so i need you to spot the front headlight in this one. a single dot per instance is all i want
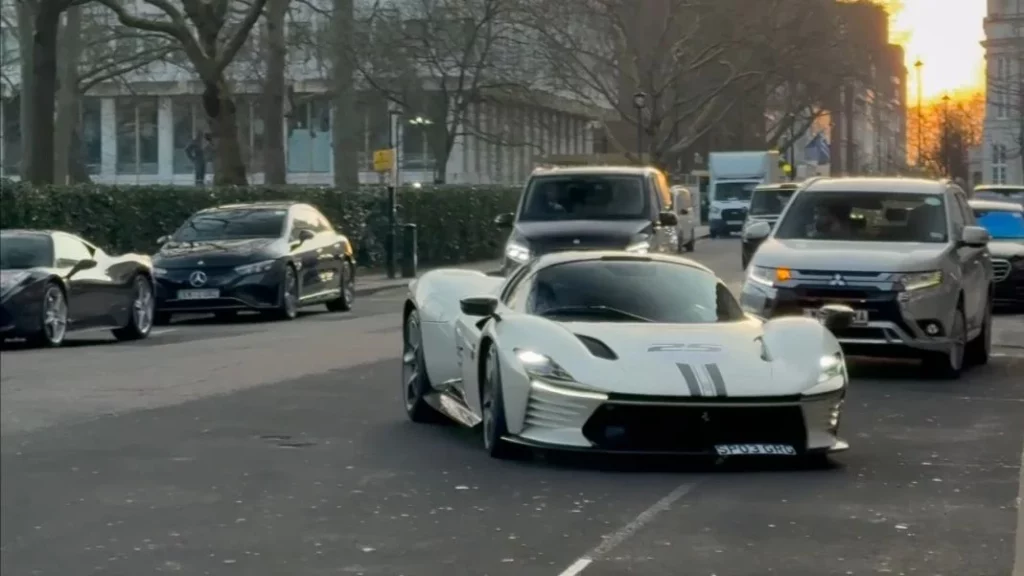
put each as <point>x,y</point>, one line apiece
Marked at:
<point>159,272</point>
<point>641,247</point>
<point>540,366</point>
<point>832,375</point>
<point>921,280</point>
<point>517,252</point>
<point>1019,264</point>
<point>11,280</point>
<point>715,210</point>
<point>255,268</point>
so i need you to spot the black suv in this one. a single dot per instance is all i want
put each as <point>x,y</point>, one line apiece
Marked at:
<point>590,208</point>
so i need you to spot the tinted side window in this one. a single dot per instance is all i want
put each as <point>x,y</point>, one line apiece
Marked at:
<point>514,286</point>
<point>957,211</point>
<point>302,219</point>
<point>965,208</point>
<point>69,250</point>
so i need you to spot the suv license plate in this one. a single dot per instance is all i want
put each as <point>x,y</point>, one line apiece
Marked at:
<point>860,317</point>
<point>755,450</point>
<point>198,294</point>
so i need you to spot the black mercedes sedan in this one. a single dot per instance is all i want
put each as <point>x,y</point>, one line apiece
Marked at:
<point>1005,223</point>
<point>52,283</point>
<point>272,257</point>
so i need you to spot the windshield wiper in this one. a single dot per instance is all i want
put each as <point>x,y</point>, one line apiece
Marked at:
<point>594,311</point>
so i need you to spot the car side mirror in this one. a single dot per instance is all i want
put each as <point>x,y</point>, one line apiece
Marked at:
<point>668,218</point>
<point>504,220</point>
<point>163,240</point>
<point>975,237</point>
<point>836,317</point>
<point>478,306</point>
<point>306,235</point>
<point>87,264</point>
<point>757,231</point>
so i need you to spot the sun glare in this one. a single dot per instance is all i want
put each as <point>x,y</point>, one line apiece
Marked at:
<point>946,36</point>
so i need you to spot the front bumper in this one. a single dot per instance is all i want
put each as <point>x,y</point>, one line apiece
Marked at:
<point>233,291</point>
<point>630,424</point>
<point>1009,285</point>
<point>899,323</point>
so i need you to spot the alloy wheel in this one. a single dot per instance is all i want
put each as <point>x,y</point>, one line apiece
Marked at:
<point>55,315</point>
<point>411,361</point>
<point>290,292</point>
<point>958,337</point>
<point>143,306</point>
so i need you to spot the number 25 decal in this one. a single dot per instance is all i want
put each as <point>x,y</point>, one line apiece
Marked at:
<point>684,348</point>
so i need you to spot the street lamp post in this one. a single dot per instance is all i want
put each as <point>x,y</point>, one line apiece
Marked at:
<point>640,102</point>
<point>920,116</point>
<point>392,242</point>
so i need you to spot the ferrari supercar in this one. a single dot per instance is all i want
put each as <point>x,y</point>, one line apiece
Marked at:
<point>620,352</point>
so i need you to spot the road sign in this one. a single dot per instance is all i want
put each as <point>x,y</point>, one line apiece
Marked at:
<point>383,160</point>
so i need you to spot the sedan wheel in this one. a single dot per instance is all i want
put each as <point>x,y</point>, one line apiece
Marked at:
<point>288,308</point>
<point>140,321</point>
<point>55,318</point>
<point>347,285</point>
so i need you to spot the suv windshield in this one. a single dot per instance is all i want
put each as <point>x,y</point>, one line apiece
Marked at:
<point>771,201</point>
<point>586,197</point>
<point>631,291</point>
<point>232,224</point>
<point>865,217</point>
<point>999,194</point>
<point>24,251</point>
<point>734,191</point>
<point>1002,224</point>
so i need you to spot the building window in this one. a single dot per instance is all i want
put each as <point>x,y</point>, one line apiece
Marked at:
<point>309,135</point>
<point>90,134</point>
<point>137,135</point>
<point>999,164</point>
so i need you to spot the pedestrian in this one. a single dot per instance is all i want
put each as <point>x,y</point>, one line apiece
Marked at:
<point>196,152</point>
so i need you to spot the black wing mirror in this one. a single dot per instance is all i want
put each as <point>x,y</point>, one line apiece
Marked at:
<point>306,235</point>
<point>668,218</point>
<point>836,317</point>
<point>479,306</point>
<point>87,264</point>
<point>504,220</point>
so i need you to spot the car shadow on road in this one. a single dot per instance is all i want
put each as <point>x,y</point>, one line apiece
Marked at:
<point>239,318</point>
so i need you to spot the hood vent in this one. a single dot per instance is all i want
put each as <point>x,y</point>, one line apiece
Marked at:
<point>597,348</point>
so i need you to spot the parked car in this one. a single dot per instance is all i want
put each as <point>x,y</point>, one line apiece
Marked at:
<point>272,257</point>
<point>590,208</point>
<point>53,283</point>
<point>908,255</point>
<point>999,193</point>
<point>1005,222</point>
<point>766,205</point>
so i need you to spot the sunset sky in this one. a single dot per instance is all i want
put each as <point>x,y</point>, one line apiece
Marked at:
<point>945,35</point>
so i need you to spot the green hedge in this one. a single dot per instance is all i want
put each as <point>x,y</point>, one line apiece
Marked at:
<point>454,222</point>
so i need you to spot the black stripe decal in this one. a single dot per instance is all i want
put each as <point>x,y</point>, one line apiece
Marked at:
<point>691,379</point>
<point>716,378</point>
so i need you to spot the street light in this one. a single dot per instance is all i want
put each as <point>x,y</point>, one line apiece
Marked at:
<point>920,129</point>
<point>640,102</point>
<point>390,247</point>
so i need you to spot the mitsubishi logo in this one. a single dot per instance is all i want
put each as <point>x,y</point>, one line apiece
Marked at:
<point>576,241</point>
<point>197,278</point>
<point>837,280</point>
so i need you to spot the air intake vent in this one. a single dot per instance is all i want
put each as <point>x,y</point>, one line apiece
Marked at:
<point>597,348</point>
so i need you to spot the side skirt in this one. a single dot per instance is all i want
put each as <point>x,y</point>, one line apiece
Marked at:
<point>449,400</point>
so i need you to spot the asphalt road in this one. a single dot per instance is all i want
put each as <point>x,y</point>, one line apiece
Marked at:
<point>281,449</point>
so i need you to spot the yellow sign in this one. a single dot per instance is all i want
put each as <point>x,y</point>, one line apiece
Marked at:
<point>787,168</point>
<point>383,160</point>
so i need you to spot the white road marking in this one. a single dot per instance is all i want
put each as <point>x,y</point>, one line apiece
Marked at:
<point>616,538</point>
<point>164,331</point>
<point>1018,563</point>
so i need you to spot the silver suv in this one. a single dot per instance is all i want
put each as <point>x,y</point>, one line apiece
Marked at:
<point>907,255</point>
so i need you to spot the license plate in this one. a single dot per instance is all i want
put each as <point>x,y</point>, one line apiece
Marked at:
<point>198,294</point>
<point>734,221</point>
<point>860,317</point>
<point>755,450</point>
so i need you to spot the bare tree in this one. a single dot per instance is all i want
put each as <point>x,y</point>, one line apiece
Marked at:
<point>272,102</point>
<point>440,58</point>
<point>210,36</point>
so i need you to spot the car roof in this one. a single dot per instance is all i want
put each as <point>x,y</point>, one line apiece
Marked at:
<point>996,205</point>
<point>566,257</point>
<point>998,188</point>
<point>269,205</point>
<point>868,184</point>
<point>778,186</point>
<point>587,170</point>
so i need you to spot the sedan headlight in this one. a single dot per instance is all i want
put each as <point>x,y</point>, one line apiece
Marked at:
<point>517,252</point>
<point>255,268</point>
<point>159,272</point>
<point>832,375</point>
<point>641,247</point>
<point>13,279</point>
<point>921,280</point>
<point>542,367</point>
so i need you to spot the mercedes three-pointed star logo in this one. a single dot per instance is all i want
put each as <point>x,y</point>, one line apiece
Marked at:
<point>197,278</point>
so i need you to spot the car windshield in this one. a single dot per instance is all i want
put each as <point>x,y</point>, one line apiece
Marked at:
<point>21,252</point>
<point>232,224</point>
<point>631,291</point>
<point>1002,224</point>
<point>734,191</point>
<point>1000,194</point>
<point>768,202</point>
<point>586,197</point>
<point>865,217</point>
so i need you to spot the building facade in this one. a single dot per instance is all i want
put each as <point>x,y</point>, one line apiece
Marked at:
<point>1002,154</point>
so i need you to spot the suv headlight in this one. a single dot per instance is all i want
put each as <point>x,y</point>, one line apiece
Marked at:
<point>542,367</point>
<point>921,280</point>
<point>768,276</point>
<point>255,268</point>
<point>641,247</point>
<point>517,252</point>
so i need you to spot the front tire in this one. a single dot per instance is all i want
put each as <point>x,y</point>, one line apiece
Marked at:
<point>492,411</point>
<point>288,299</point>
<point>692,244</point>
<point>347,283</point>
<point>979,349</point>
<point>949,365</point>
<point>54,321</point>
<point>415,382</point>
<point>140,319</point>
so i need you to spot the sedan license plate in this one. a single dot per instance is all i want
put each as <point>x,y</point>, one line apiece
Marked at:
<point>860,317</point>
<point>755,450</point>
<point>198,294</point>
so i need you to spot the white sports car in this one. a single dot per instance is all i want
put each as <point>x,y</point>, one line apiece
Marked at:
<point>620,352</point>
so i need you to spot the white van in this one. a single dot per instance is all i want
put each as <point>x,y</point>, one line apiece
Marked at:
<point>683,203</point>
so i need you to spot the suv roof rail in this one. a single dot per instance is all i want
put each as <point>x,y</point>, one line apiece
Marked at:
<point>812,180</point>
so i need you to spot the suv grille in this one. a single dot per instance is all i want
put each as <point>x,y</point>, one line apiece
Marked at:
<point>734,214</point>
<point>1000,269</point>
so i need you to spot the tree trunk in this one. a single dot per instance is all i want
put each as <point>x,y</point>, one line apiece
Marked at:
<point>347,122</point>
<point>39,163</point>
<point>272,105</point>
<point>77,172</point>
<point>67,95</point>
<point>222,117</point>
<point>26,23</point>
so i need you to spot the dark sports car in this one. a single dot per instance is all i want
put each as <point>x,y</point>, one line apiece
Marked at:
<point>1005,223</point>
<point>272,257</point>
<point>52,283</point>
